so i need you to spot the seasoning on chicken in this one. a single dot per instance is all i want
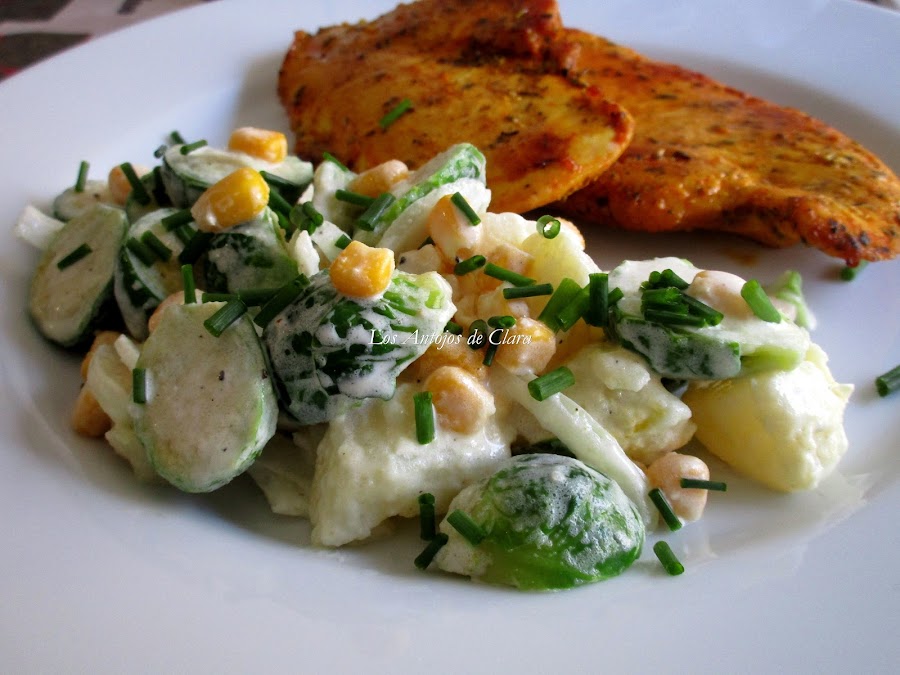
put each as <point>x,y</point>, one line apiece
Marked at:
<point>433,73</point>
<point>707,156</point>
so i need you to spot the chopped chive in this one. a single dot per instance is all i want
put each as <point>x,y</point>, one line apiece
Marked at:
<point>668,559</point>
<point>665,509</point>
<point>394,114</point>
<point>478,331</point>
<point>82,176</point>
<point>490,352</point>
<point>564,294</point>
<point>699,484</point>
<point>504,274</point>
<point>615,295</point>
<point>568,316</point>
<point>313,214</point>
<point>889,382</point>
<point>184,234</point>
<point>397,302</point>
<point>74,257</point>
<point>504,321</point>
<point>469,265</point>
<point>470,530</point>
<point>284,297</point>
<point>670,278</point>
<point>548,227</point>
<point>423,560</point>
<point>223,318</point>
<point>673,318</point>
<point>328,157</point>
<point>187,282</point>
<point>665,279</point>
<point>188,148</point>
<point>369,219</point>
<point>177,219</point>
<point>342,242</point>
<point>427,525</point>
<point>543,387</point>
<point>279,182</point>
<point>665,297</point>
<point>158,189</point>
<point>759,302</point>
<point>353,198</point>
<point>177,138</point>
<point>384,311</point>
<point>460,202</point>
<point>195,247</point>
<point>160,151</point>
<point>535,290</point>
<point>597,313</point>
<point>424,415</point>
<point>139,385</point>
<point>155,244</point>
<point>141,251</point>
<point>453,328</point>
<point>297,220</point>
<point>218,297</point>
<point>256,297</point>
<point>138,191</point>
<point>278,203</point>
<point>712,317</point>
<point>850,272</point>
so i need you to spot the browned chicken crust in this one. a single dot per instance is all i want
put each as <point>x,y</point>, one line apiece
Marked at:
<point>474,72</point>
<point>707,156</point>
<point>552,109</point>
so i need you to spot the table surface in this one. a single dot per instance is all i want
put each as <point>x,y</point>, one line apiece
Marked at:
<point>32,30</point>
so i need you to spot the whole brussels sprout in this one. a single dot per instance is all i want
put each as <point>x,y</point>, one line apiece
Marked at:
<point>549,522</point>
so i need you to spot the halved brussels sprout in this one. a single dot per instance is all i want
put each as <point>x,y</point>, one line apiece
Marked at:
<point>549,522</point>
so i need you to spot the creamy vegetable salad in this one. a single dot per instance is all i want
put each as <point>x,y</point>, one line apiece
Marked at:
<point>380,345</point>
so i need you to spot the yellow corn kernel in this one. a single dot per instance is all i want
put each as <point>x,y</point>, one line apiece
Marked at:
<point>379,179</point>
<point>451,231</point>
<point>119,187</point>
<point>527,347</point>
<point>361,271</point>
<point>461,403</point>
<point>264,144</point>
<point>238,197</point>
<point>88,418</point>
<point>451,352</point>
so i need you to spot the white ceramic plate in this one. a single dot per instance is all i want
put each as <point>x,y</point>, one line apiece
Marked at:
<point>101,574</point>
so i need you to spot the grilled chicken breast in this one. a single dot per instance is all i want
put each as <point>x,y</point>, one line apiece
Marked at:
<point>707,156</point>
<point>553,109</point>
<point>472,71</point>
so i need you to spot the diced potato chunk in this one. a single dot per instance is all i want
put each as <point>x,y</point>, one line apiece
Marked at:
<point>781,428</point>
